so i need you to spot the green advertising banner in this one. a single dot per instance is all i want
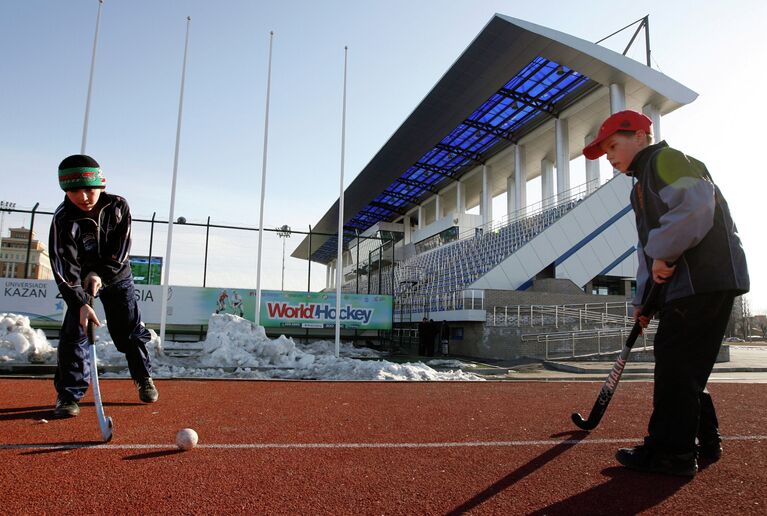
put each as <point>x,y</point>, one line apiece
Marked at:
<point>142,273</point>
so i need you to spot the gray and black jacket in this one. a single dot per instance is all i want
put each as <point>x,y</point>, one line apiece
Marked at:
<point>682,217</point>
<point>82,243</point>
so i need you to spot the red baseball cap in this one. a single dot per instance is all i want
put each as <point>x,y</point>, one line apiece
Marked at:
<point>621,121</point>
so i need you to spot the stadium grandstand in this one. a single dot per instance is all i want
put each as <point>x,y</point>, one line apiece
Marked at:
<point>517,105</point>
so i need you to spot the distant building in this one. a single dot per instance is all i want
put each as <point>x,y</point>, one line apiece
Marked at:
<point>13,256</point>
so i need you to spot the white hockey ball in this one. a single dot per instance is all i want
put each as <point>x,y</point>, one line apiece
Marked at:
<point>186,439</point>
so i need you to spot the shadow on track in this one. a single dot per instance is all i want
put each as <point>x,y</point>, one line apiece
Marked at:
<point>154,454</point>
<point>41,412</point>
<point>56,447</point>
<point>627,492</point>
<point>573,438</point>
<point>46,411</point>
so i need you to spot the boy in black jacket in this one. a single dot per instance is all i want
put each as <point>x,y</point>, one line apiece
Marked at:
<point>688,242</point>
<point>89,243</point>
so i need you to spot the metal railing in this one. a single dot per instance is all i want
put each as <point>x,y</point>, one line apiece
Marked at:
<point>592,342</point>
<point>553,315</point>
<point>615,320</point>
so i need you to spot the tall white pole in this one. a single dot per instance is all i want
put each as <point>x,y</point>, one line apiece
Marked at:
<point>339,259</point>
<point>90,80</point>
<point>166,274</point>
<point>263,184</point>
<point>282,285</point>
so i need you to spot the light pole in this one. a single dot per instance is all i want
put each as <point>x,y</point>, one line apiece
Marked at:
<point>284,233</point>
<point>5,206</point>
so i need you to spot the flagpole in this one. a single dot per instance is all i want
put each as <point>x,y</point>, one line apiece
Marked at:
<point>263,184</point>
<point>90,80</point>
<point>339,259</point>
<point>166,275</point>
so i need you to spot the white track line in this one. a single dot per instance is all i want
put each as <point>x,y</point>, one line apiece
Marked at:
<point>273,446</point>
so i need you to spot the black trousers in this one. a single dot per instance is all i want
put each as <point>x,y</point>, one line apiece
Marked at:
<point>690,332</point>
<point>73,371</point>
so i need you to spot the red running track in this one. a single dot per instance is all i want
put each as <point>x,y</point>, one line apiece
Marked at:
<point>280,447</point>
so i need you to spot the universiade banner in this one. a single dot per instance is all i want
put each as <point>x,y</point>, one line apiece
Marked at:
<point>40,301</point>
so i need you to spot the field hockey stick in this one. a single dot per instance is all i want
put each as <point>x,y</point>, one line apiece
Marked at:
<point>608,389</point>
<point>105,423</point>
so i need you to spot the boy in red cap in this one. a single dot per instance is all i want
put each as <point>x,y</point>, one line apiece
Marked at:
<point>89,245</point>
<point>689,244</point>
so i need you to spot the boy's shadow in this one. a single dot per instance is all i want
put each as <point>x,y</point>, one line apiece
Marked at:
<point>41,449</point>
<point>574,437</point>
<point>627,492</point>
<point>41,412</point>
<point>46,411</point>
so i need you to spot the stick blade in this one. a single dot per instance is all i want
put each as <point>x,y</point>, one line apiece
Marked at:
<point>581,423</point>
<point>106,430</point>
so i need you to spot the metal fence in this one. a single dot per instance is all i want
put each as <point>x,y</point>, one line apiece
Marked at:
<point>204,253</point>
<point>615,313</point>
<point>587,343</point>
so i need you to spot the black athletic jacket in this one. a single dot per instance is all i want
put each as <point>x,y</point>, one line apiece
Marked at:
<point>682,217</point>
<point>80,245</point>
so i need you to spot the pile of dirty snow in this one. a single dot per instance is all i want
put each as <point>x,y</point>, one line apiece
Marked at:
<point>234,348</point>
<point>20,343</point>
<point>233,342</point>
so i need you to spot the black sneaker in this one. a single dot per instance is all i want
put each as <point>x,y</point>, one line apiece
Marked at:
<point>147,392</point>
<point>710,451</point>
<point>66,408</point>
<point>645,459</point>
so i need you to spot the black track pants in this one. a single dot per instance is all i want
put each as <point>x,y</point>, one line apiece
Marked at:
<point>123,317</point>
<point>689,336</point>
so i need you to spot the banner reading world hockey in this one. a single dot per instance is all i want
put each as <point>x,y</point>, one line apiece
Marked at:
<point>318,310</point>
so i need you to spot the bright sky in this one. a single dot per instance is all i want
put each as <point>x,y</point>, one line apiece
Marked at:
<point>398,50</point>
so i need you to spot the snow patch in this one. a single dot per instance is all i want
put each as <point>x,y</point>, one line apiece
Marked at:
<point>19,342</point>
<point>235,348</point>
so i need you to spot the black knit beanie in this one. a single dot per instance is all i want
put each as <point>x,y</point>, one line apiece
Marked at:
<point>80,171</point>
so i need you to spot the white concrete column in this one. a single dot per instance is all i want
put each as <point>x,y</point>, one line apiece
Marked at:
<point>327,275</point>
<point>562,146</point>
<point>437,207</point>
<point>510,198</point>
<point>420,216</point>
<point>617,98</point>
<point>486,197</point>
<point>653,113</point>
<point>547,182</point>
<point>520,178</point>
<point>335,271</point>
<point>617,103</point>
<point>408,233</point>
<point>460,199</point>
<point>592,169</point>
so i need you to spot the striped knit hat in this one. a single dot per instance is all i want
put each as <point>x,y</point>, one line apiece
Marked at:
<point>80,171</point>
